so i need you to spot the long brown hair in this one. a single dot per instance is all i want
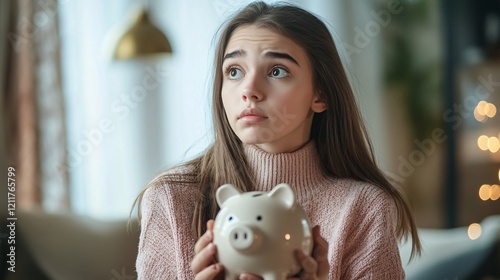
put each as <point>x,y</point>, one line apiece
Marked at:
<point>338,132</point>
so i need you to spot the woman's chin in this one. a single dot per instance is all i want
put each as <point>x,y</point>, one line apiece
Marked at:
<point>250,140</point>
<point>254,137</point>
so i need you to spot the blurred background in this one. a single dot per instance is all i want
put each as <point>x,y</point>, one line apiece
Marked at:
<point>97,97</point>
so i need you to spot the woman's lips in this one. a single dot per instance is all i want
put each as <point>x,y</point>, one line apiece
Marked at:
<point>252,115</point>
<point>252,119</point>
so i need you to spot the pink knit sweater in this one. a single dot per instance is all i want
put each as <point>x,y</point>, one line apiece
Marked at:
<point>356,218</point>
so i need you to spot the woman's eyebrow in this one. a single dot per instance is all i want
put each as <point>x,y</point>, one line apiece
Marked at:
<point>237,53</point>
<point>281,56</point>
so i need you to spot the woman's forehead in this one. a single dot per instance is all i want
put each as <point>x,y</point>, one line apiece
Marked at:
<point>250,38</point>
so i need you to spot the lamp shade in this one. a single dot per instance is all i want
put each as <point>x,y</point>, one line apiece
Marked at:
<point>141,39</point>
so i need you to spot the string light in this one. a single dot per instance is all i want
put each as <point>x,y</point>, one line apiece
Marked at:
<point>488,143</point>
<point>482,142</point>
<point>490,110</point>
<point>493,144</point>
<point>484,110</point>
<point>495,192</point>
<point>489,192</point>
<point>485,192</point>
<point>478,116</point>
<point>480,107</point>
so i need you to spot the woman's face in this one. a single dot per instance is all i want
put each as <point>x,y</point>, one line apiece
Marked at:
<point>267,90</point>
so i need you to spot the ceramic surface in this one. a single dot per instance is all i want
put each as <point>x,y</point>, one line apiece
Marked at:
<point>258,232</point>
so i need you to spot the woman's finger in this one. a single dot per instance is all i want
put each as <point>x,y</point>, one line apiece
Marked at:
<point>248,276</point>
<point>210,224</point>
<point>209,272</point>
<point>309,265</point>
<point>321,254</point>
<point>206,238</point>
<point>204,258</point>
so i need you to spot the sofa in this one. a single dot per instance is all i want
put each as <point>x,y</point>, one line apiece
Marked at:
<point>451,254</point>
<point>64,246</point>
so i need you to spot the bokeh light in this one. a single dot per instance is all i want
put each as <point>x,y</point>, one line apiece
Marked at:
<point>484,110</point>
<point>478,116</point>
<point>474,231</point>
<point>480,107</point>
<point>490,110</point>
<point>495,192</point>
<point>493,144</point>
<point>482,142</point>
<point>485,192</point>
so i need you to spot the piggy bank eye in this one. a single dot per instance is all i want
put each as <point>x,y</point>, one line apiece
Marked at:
<point>259,218</point>
<point>230,218</point>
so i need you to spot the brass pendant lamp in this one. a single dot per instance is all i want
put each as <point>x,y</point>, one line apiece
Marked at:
<point>141,39</point>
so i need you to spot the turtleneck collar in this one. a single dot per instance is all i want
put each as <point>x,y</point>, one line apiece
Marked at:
<point>301,168</point>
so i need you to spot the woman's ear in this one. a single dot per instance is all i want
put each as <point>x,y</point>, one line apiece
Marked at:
<point>318,106</point>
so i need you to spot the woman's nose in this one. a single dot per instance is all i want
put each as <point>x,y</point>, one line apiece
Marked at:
<point>252,91</point>
<point>250,95</point>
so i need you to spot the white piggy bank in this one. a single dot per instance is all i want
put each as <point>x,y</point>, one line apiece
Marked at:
<point>258,232</point>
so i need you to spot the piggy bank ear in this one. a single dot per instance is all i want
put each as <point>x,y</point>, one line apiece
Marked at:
<point>225,192</point>
<point>284,193</point>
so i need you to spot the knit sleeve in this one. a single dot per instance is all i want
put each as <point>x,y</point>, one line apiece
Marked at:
<point>156,255</point>
<point>372,246</point>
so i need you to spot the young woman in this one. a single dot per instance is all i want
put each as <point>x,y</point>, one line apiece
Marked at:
<point>283,111</point>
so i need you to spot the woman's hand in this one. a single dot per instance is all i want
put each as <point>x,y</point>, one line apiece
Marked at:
<point>314,267</point>
<point>203,264</point>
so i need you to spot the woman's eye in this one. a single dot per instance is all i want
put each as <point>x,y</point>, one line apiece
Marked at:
<point>235,73</point>
<point>279,73</point>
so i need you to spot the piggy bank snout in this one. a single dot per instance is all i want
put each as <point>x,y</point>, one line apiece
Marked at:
<point>242,237</point>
